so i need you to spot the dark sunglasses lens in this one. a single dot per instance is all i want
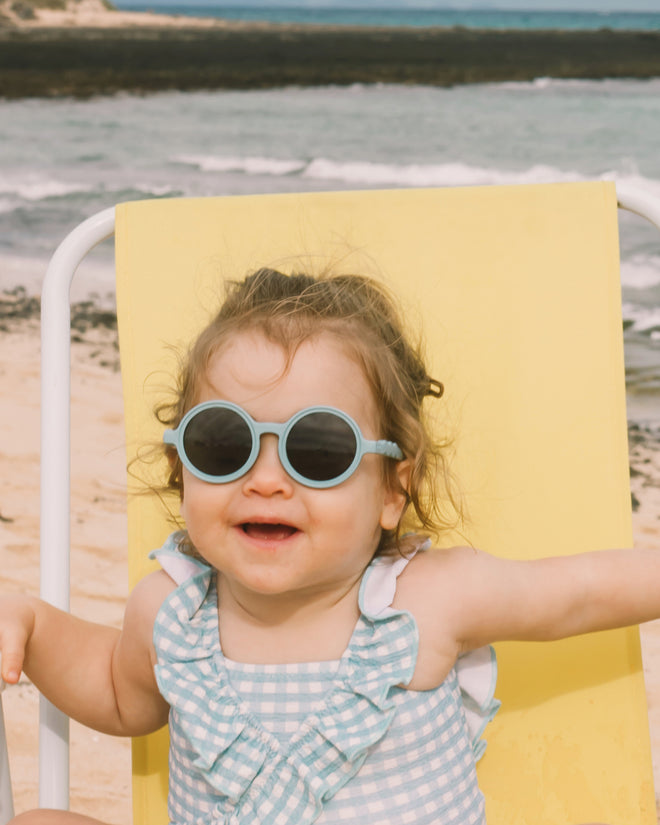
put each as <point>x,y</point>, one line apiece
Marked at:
<point>218,442</point>
<point>321,446</point>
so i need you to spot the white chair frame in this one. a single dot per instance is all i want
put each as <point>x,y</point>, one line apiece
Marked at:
<point>55,475</point>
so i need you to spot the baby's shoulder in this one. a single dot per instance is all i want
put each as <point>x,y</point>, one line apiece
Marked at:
<point>433,571</point>
<point>430,589</point>
<point>148,595</point>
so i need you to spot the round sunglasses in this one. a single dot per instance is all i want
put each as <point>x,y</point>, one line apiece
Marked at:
<point>319,446</point>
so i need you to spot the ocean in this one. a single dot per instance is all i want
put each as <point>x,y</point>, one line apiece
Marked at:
<point>62,160</point>
<point>354,15</point>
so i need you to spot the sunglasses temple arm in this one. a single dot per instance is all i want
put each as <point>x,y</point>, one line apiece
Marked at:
<point>386,448</point>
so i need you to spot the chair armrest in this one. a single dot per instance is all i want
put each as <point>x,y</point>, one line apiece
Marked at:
<point>6,797</point>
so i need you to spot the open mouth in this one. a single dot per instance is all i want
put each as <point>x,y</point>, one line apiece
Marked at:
<point>268,532</point>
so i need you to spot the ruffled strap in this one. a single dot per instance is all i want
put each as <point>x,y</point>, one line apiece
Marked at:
<point>203,707</point>
<point>186,641</point>
<point>476,671</point>
<point>179,566</point>
<point>360,708</point>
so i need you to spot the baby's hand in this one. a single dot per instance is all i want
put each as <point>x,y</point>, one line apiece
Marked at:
<point>16,626</point>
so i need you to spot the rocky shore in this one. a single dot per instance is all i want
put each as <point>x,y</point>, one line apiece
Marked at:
<point>57,59</point>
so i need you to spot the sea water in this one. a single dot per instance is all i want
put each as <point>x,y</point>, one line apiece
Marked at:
<point>63,160</point>
<point>394,13</point>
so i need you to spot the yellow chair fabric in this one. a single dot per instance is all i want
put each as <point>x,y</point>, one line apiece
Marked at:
<point>517,292</point>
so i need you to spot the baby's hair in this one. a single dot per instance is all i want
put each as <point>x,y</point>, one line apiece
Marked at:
<point>291,309</point>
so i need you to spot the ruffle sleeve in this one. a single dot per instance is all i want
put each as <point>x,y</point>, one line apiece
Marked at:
<point>476,672</point>
<point>178,566</point>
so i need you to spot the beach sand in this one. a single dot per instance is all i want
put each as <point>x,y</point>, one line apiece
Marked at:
<point>94,14</point>
<point>100,765</point>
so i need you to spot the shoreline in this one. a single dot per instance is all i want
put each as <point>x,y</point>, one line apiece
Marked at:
<point>55,60</point>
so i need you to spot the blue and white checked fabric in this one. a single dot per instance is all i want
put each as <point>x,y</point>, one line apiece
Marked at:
<point>324,742</point>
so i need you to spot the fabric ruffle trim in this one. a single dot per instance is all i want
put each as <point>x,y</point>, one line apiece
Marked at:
<point>476,671</point>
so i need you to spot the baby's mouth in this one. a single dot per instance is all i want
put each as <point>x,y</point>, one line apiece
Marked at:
<point>268,532</point>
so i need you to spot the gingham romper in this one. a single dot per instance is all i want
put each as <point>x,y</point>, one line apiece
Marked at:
<point>330,742</point>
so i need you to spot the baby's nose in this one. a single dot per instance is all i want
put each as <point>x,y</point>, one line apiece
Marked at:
<point>267,476</point>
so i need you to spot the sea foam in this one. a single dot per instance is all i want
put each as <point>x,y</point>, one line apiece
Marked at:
<point>371,173</point>
<point>35,187</point>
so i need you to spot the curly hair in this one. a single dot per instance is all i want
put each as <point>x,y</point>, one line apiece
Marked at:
<point>290,309</point>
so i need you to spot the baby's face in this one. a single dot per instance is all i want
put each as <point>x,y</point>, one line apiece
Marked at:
<point>266,533</point>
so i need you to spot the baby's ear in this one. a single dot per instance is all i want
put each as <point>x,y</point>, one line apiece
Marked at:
<point>403,473</point>
<point>396,495</point>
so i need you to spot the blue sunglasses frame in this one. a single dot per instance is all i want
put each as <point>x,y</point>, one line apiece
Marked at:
<point>258,428</point>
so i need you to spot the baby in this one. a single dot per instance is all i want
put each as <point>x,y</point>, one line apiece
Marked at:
<point>302,646</point>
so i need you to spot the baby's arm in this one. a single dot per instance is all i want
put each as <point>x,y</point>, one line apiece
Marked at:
<point>557,597</point>
<point>98,675</point>
<point>463,598</point>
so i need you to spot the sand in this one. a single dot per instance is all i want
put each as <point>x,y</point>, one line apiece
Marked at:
<point>100,765</point>
<point>28,14</point>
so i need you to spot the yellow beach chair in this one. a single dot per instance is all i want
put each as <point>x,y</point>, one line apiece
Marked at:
<point>517,291</point>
